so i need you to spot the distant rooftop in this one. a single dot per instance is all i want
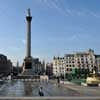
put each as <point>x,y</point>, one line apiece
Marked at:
<point>97,55</point>
<point>68,55</point>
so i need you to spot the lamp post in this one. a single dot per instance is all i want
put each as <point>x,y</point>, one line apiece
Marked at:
<point>64,68</point>
<point>64,73</point>
<point>17,67</point>
<point>12,72</point>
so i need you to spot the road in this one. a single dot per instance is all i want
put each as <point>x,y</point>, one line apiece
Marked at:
<point>29,89</point>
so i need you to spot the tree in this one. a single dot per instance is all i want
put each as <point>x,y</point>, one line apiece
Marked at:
<point>69,77</point>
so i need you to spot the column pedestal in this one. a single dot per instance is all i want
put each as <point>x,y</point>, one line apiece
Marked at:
<point>27,66</point>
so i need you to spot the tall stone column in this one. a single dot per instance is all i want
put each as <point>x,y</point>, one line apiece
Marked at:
<point>28,58</point>
<point>28,40</point>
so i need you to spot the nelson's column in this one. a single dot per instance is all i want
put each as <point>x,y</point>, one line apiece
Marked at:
<point>27,65</point>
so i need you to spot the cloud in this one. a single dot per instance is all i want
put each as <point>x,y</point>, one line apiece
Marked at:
<point>74,37</point>
<point>69,11</point>
<point>46,3</point>
<point>59,8</point>
<point>79,37</point>
<point>24,41</point>
<point>94,14</point>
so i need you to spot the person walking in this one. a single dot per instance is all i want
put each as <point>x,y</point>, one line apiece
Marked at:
<point>41,91</point>
<point>58,81</point>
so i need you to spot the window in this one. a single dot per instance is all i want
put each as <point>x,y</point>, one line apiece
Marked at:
<point>82,62</point>
<point>66,65</point>
<point>67,69</point>
<point>69,61</point>
<point>91,65</point>
<point>78,62</point>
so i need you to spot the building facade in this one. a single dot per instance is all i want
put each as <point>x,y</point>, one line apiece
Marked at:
<point>38,67</point>
<point>58,66</point>
<point>98,62</point>
<point>49,69</point>
<point>78,60</point>
<point>5,65</point>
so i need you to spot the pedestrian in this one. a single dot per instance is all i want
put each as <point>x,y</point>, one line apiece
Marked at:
<point>41,91</point>
<point>58,81</point>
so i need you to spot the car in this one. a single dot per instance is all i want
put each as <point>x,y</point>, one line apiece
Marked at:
<point>93,80</point>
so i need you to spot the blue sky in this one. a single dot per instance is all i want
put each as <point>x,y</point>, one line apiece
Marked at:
<point>58,27</point>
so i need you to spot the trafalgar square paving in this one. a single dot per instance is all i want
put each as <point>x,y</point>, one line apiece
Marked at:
<point>19,88</point>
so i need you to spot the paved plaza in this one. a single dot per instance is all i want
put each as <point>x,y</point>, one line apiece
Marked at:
<point>18,88</point>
